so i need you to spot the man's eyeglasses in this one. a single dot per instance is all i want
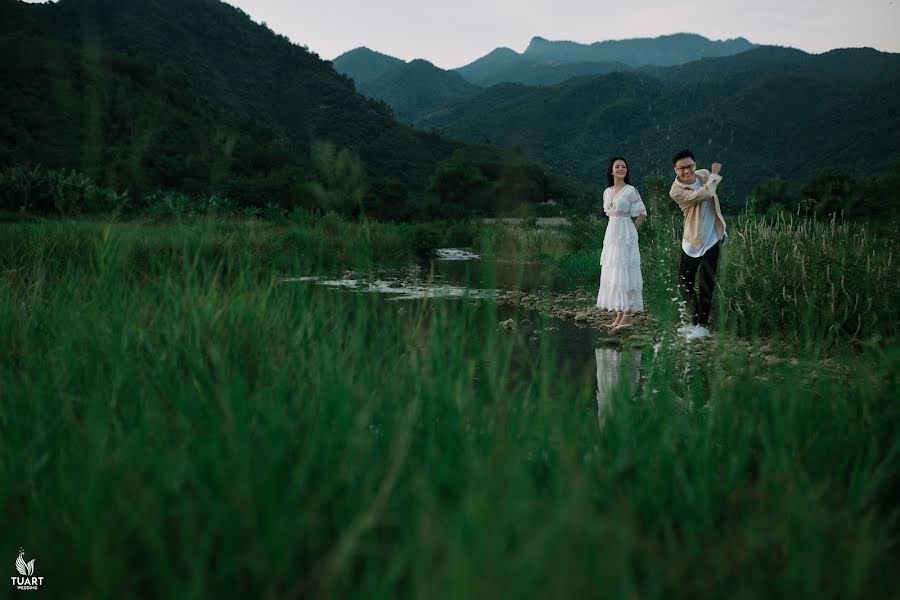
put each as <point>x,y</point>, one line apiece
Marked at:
<point>686,168</point>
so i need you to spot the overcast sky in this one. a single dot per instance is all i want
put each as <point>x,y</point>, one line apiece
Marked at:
<point>452,34</point>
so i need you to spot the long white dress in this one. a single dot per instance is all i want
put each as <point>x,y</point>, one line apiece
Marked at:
<point>621,285</point>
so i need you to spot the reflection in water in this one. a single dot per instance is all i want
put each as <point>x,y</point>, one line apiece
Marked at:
<point>396,290</point>
<point>454,272</point>
<point>616,370</point>
<point>525,276</point>
<point>455,254</point>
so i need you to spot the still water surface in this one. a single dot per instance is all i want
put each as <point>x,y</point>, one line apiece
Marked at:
<point>457,273</point>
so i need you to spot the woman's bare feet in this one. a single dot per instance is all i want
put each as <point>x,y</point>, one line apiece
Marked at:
<point>625,321</point>
<point>615,323</point>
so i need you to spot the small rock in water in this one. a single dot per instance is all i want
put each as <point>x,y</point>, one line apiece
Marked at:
<point>395,284</point>
<point>581,316</point>
<point>508,324</point>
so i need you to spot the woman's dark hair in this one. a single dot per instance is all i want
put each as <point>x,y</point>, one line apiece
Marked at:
<point>609,175</point>
<point>682,154</point>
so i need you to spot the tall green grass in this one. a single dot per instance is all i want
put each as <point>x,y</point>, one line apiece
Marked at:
<point>836,278</point>
<point>177,422</point>
<point>801,279</point>
<point>303,244</point>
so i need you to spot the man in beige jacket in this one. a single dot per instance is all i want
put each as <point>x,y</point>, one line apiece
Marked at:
<point>704,231</point>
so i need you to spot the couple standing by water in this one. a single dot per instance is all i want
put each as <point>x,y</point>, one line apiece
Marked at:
<point>621,284</point>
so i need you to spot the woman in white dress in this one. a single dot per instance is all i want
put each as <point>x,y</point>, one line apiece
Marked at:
<point>621,285</point>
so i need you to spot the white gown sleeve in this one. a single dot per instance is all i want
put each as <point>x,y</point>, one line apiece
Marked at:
<point>637,204</point>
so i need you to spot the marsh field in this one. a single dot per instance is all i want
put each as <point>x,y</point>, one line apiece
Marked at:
<point>311,407</point>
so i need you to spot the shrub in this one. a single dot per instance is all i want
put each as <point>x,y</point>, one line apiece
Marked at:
<point>55,192</point>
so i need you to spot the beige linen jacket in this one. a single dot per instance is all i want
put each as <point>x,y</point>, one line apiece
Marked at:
<point>690,202</point>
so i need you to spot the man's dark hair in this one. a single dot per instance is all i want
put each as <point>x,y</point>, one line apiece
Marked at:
<point>682,154</point>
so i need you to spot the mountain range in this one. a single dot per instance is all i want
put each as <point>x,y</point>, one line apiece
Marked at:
<point>546,62</point>
<point>246,68</point>
<point>193,95</point>
<point>766,111</point>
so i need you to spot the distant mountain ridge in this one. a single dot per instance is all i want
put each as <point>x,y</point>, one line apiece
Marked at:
<point>505,65</point>
<point>665,50</point>
<point>364,65</point>
<point>417,87</point>
<point>770,111</point>
<point>780,111</point>
<point>544,62</point>
<point>508,66</point>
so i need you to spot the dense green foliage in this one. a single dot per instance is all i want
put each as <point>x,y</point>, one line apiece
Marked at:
<point>177,421</point>
<point>753,112</point>
<point>247,68</point>
<point>131,126</point>
<point>156,100</point>
<point>482,179</point>
<point>195,98</point>
<point>833,191</point>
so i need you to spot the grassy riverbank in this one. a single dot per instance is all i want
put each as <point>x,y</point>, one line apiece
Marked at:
<point>175,421</point>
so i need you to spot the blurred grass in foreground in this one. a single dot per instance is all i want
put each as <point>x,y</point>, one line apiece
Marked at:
<point>175,422</point>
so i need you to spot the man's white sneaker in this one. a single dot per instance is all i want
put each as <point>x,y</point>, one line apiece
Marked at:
<point>699,332</point>
<point>686,329</point>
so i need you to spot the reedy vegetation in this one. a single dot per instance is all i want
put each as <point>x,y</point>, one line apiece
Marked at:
<point>175,421</point>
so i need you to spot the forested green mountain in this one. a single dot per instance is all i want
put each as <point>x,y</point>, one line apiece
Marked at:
<point>508,66</point>
<point>416,88</point>
<point>665,50</point>
<point>550,62</point>
<point>126,123</point>
<point>363,65</point>
<point>852,66</point>
<point>245,67</point>
<point>547,62</point>
<point>191,95</point>
<point>765,113</point>
<point>412,89</point>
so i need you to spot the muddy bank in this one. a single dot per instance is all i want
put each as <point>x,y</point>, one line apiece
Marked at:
<point>777,356</point>
<point>577,306</point>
